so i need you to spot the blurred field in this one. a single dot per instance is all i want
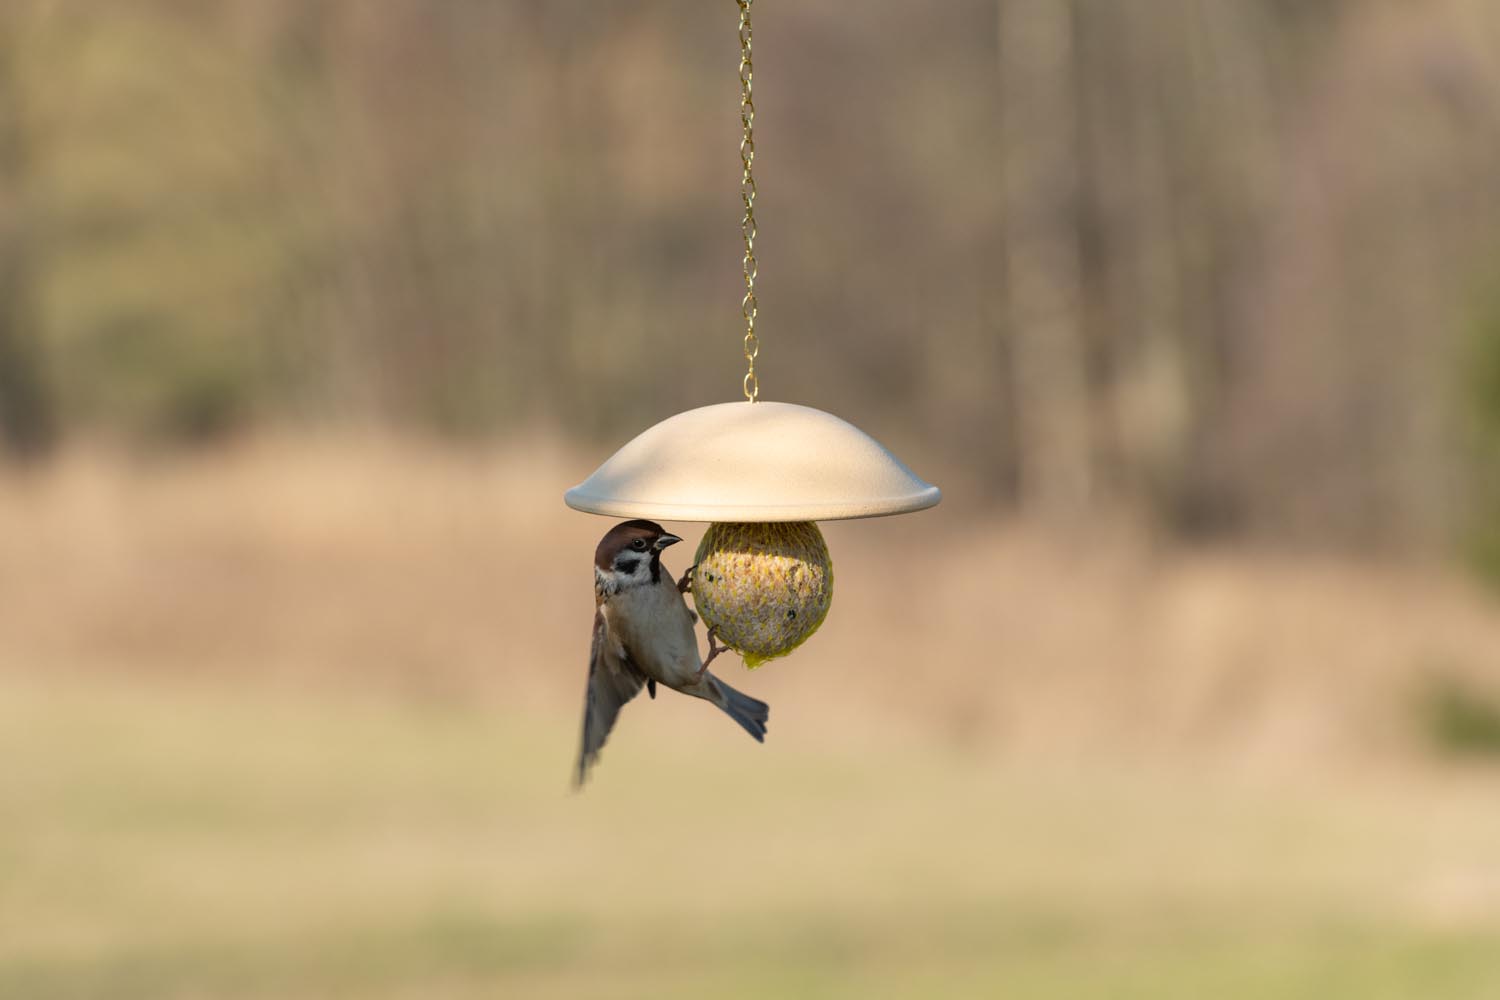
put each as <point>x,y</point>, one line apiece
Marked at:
<point>170,841</point>
<point>296,721</point>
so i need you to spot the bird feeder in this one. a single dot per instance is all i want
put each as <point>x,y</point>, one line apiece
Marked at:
<point>762,473</point>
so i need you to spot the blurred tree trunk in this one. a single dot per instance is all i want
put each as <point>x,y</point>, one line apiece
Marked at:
<point>1151,384</point>
<point>28,419</point>
<point>1045,323</point>
<point>1193,161</point>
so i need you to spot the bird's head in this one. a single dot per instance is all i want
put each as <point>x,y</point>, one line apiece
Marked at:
<point>630,554</point>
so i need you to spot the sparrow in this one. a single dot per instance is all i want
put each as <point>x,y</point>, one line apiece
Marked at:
<point>643,636</point>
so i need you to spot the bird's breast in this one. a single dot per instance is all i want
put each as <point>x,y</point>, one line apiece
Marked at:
<point>656,629</point>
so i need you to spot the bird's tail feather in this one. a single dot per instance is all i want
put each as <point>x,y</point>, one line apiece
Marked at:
<point>750,713</point>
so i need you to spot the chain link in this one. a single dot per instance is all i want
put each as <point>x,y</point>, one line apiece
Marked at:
<point>747,197</point>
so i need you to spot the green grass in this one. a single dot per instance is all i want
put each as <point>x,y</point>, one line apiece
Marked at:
<point>172,841</point>
<point>1460,720</point>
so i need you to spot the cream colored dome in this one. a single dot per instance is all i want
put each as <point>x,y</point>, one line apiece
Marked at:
<point>752,462</point>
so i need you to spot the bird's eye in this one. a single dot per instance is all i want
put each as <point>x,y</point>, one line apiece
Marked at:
<point>639,545</point>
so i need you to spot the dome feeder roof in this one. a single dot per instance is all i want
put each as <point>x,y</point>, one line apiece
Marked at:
<point>752,462</point>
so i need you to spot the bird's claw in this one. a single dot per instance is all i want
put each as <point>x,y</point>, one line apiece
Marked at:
<point>686,583</point>
<point>714,649</point>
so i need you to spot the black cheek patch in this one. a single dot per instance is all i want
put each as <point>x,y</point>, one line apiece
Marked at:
<point>627,566</point>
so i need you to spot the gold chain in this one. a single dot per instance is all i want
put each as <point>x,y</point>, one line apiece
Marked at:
<point>747,196</point>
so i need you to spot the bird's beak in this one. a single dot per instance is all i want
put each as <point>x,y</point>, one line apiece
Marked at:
<point>666,540</point>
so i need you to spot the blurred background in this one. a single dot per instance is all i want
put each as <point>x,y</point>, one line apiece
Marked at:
<point>311,309</point>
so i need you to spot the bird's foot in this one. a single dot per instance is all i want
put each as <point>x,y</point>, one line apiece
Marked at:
<point>686,583</point>
<point>714,649</point>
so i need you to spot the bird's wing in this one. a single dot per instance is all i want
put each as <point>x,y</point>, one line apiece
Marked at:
<point>613,680</point>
